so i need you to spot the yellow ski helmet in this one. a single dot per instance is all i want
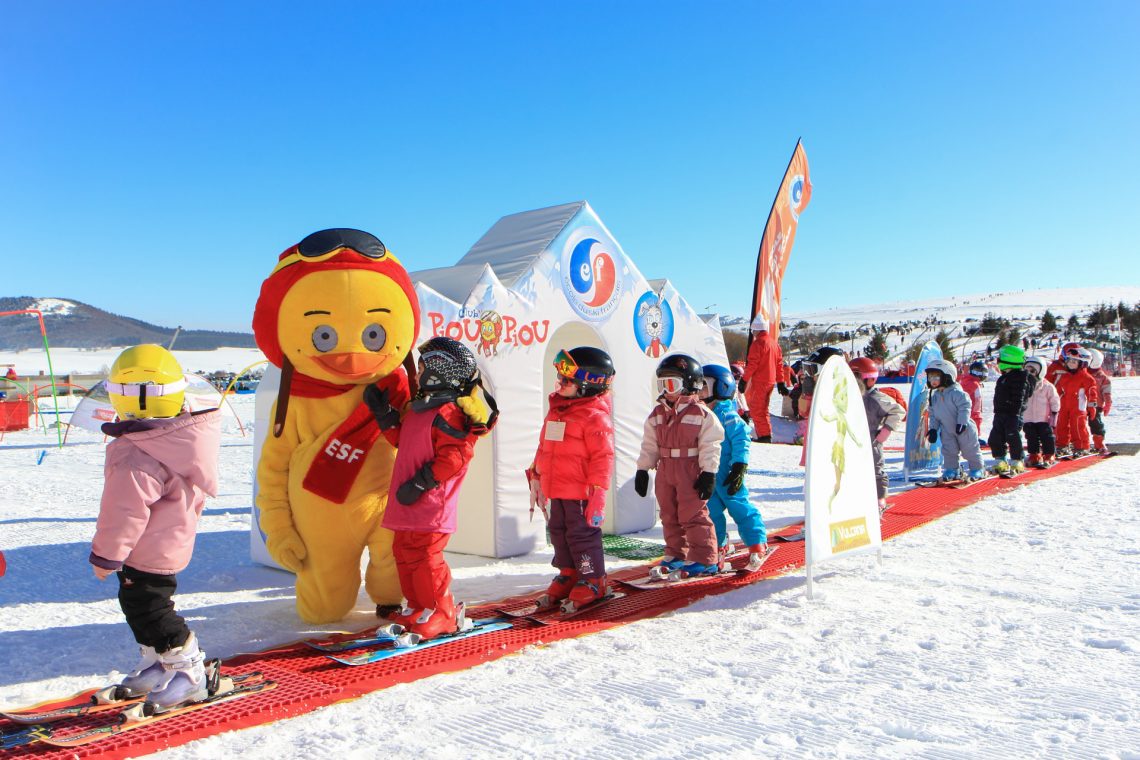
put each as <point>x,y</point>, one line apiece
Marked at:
<point>146,381</point>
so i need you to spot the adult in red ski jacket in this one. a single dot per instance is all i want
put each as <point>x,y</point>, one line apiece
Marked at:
<point>1077,389</point>
<point>765,369</point>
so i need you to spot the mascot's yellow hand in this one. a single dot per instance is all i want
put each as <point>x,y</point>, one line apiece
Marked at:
<point>287,548</point>
<point>474,407</point>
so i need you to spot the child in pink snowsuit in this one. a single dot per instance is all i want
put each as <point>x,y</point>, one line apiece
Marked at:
<point>159,469</point>
<point>682,442</point>
<point>437,437</point>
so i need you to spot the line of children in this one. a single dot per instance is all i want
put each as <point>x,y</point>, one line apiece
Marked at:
<point>1078,391</point>
<point>729,493</point>
<point>1040,416</point>
<point>884,415</point>
<point>572,470</point>
<point>682,441</point>
<point>437,435</point>
<point>949,415</point>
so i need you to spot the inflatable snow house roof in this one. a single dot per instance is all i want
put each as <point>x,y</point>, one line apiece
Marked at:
<point>535,283</point>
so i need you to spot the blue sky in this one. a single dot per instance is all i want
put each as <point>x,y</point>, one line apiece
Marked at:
<point>157,157</point>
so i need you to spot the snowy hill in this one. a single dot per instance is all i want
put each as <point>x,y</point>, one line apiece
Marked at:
<point>1021,305</point>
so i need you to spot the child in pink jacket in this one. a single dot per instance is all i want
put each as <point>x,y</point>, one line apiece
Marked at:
<point>682,441</point>
<point>159,468</point>
<point>572,469</point>
<point>437,437</point>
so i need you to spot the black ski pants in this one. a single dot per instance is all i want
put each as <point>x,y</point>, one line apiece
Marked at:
<point>1039,438</point>
<point>147,603</point>
<point>1006,434</point>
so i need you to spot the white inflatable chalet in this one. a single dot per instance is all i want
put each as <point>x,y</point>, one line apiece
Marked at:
<point>535,283</point>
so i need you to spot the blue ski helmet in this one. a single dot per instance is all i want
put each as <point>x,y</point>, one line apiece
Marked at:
<point>719,381</point>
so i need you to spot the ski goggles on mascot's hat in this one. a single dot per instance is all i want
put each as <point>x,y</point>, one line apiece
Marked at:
<point>566,367</point>
<point>323,245</point>
<point>670,384</point>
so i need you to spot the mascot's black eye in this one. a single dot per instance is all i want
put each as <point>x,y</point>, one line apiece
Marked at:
<point>374,337</point>
<point>324,338</point>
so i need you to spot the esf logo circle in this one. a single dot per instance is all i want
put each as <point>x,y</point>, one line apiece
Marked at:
<point>590,278</point>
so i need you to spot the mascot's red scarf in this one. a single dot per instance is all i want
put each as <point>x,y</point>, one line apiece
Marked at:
<point>341,458</point>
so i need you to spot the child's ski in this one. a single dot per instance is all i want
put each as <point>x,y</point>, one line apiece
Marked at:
<point>391,650</point>
<point>568,610</point>
<point>383,634</point>
<point>93,701</point>
<point>140,714</point>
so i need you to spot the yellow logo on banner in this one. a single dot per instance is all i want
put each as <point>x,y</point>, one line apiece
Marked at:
<point>849,534</point>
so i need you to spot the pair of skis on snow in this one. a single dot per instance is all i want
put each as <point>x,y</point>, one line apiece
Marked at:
<point>658,579</point>
<point>392,640</point>
<point>39,722</point>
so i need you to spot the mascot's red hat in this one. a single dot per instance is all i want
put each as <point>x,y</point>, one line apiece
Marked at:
<point>338,248</point>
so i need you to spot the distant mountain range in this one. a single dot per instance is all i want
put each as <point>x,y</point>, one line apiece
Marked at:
<point>73,324</point>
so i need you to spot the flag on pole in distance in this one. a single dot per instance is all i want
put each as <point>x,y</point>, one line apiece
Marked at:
<point>840,501</point>
<point>920,453</point>
<point>779,236</point>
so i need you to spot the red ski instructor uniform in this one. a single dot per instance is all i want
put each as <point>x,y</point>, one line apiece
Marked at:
<point>763,371</point>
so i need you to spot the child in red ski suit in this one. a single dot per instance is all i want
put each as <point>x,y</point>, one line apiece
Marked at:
<point>682,442</point>
<point>1077,389</point>
<point>572,469</point>
<point>437,437</point>
<point>971,382</point>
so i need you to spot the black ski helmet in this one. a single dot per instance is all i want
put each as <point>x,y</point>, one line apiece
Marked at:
<point>591,369</point>
<point>978,369</point>
<point>449,367</point>
<point>685,367</point>
<point>819,357</point>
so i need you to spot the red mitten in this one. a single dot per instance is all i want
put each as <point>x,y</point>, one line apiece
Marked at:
<point>596,507</point>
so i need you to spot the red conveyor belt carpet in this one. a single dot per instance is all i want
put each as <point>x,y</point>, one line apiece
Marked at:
<point>307,680</point>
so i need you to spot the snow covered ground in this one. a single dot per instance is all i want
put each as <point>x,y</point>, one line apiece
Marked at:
<point>1008,629</point>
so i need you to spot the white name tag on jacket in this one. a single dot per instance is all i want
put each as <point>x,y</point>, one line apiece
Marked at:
<point>555,430</point>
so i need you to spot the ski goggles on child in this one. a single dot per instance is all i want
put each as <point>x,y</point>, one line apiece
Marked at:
<point>670,384</point>
<point>566,367</point>
<point>327,243</point>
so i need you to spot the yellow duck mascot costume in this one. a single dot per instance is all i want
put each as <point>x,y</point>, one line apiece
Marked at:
<point>337,314</point>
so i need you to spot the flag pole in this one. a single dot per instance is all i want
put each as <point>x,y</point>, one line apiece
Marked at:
<point>759,253</point>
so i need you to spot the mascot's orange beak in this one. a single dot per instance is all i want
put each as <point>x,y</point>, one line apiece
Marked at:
<point>352,365</point>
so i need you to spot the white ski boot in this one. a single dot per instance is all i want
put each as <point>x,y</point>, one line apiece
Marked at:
<point>756,559</point>
<point>147,675</point>
<point>185,680</point>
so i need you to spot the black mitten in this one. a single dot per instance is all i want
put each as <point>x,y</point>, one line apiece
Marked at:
<point>641,482</point>
<point>932,436</point>
<point>387,416</point>
<point>735,479</point>
<point>704,485</point>
<point>411,491</point>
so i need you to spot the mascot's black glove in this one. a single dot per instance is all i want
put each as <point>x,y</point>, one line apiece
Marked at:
<point>704,485</point>
<point>782,389</point>
<point>411,491</point>
<point>641,482</point>
<point>932,436</point>
<point>735,479</point>
<point>959,429</point>
<point>387,416</point>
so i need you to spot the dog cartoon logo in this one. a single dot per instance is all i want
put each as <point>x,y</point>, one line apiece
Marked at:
<point>490,333</point>
<point>653,324</point>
